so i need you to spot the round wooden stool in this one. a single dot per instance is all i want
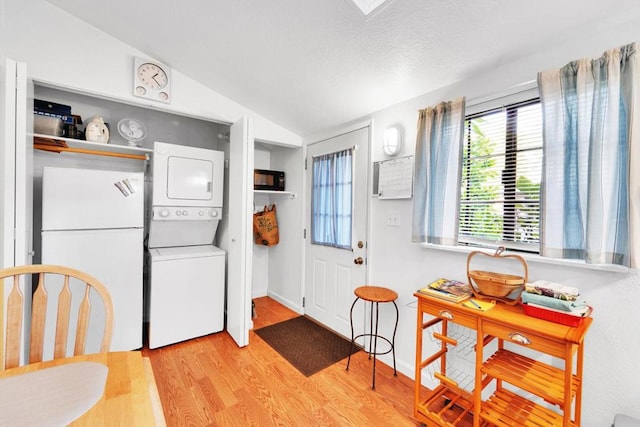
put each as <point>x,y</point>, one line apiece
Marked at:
<point>375,295</point>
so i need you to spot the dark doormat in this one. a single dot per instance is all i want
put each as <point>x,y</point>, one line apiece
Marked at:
<point>308,346</point>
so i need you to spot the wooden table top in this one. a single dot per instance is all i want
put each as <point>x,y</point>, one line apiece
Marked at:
<point>514,316</point>
<point>128,397</point>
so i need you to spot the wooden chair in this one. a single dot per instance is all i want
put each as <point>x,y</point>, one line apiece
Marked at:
<point>15,311</point>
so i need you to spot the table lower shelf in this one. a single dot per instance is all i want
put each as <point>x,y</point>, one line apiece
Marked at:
<point>507,409</point>
<point>530,375</point>
<point>445,407</point>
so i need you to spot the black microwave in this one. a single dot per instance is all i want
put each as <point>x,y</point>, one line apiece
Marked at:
<point>265,179</point>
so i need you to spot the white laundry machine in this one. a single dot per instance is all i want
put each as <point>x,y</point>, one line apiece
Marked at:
<point>186,292</point>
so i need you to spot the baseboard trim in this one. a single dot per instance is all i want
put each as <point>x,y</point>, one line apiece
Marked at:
<point>286,302</point>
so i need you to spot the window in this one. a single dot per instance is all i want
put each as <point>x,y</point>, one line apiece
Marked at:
<point>500,179</point>
<point>331,208</point>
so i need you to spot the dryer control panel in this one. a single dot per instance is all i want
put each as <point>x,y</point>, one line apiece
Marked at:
<point>185,213</point>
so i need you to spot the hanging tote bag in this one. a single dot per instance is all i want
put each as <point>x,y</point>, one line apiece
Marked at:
<point>265,227</point>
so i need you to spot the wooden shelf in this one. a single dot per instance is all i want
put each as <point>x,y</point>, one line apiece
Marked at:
<point>275,193</point>
<point>530,375</point>
<point>446,407</point>
<point>507,409</point>
<point>59,144</point>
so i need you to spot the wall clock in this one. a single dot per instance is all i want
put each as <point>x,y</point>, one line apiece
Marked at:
<point>151,80</point>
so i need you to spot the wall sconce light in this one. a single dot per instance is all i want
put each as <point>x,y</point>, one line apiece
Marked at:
<point>392,143</point>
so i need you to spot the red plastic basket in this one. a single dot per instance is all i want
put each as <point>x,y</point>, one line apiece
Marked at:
<point>554,316</point>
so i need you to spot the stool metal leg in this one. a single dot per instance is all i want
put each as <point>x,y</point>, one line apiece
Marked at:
<point>352,336</point>
<point>370,329</point>
<point>393,340</point>
<point>375,345</point>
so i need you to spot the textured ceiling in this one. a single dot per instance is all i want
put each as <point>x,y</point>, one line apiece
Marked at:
<point>310,65</point>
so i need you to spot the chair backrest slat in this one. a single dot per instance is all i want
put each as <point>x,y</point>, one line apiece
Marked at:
<point>62,325</point>
<point>15,312</point>
<point>38,317</point>
<point>15,304</point>
<point>83,322</point>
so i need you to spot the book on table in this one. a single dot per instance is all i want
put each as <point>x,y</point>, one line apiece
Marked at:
<point>450,290</point>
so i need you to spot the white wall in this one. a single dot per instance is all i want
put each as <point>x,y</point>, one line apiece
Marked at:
<point>286,258</point>
<point>612,350</point>
<point>260,283</point>
<point>277,270</point>
<point>64,51</point>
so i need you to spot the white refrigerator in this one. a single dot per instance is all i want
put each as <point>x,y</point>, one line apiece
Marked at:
<point>92,220</point>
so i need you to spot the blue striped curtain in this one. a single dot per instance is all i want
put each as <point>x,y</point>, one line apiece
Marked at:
<point>438,161</point>
<point>591,156</point>
<point>331,202</point>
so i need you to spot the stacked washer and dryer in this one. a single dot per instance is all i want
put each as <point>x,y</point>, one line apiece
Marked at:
<point>186,293</point>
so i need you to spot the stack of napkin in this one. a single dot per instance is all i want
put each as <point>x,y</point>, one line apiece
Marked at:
<point>555,297</point>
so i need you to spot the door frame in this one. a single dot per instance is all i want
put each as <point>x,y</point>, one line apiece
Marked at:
<point>317,138</point>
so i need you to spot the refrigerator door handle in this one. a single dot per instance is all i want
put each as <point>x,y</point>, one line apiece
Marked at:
<point>122,188</point>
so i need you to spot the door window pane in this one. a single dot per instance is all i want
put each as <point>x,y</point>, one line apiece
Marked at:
<point>331,201</point>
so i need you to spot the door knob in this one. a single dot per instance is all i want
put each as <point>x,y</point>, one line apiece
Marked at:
<point>358,260</point>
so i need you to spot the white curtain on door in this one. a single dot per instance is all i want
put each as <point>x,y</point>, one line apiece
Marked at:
<point>331,201</point>
<point>438,159</point>
<point>591,168</point>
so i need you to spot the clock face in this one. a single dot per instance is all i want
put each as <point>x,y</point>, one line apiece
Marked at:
<point>151,80</point>
<point>152,76</point>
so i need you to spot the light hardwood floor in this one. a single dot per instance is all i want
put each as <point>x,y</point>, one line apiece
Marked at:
<point>209,381</point>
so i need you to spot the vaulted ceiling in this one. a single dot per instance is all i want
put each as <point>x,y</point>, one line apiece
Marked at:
<point>310,65</point>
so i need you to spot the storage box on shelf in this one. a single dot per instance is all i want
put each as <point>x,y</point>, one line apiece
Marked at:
<point>559,387</point>
<point>555,316</point>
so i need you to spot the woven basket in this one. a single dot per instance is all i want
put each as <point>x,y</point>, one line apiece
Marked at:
<point>497,285</point>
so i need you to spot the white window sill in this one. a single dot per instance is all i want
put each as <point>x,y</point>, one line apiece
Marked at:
<point>534,258</point>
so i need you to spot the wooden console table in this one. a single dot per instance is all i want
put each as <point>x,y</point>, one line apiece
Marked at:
<point>559,389</point>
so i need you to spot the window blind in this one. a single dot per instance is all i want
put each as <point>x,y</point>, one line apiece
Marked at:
<point>500,179</point>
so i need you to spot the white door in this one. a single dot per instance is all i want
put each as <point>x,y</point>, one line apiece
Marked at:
<point>331,274</point>
<point>16,179</point>
<point>16,176</point>
<point>240,217</point>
